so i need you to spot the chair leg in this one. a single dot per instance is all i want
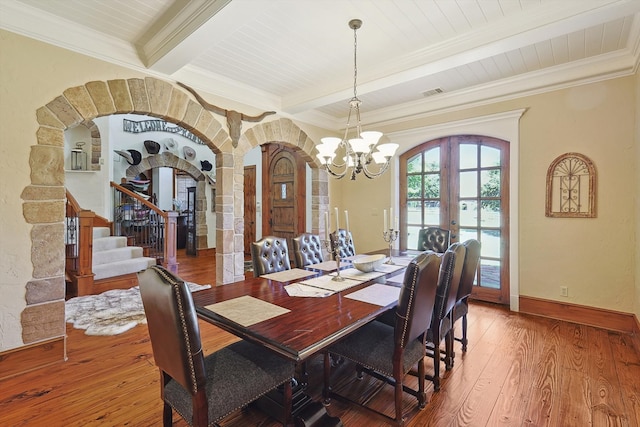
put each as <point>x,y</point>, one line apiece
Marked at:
<point>167,415</point>
<point>287,404</point>
<point>449,354</point>
<point>326,388</point>
<point>436,366</point>
<point>422,396</point>
<point>464,333</point>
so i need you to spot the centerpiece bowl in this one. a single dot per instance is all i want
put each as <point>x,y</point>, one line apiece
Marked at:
<point>369,263</point>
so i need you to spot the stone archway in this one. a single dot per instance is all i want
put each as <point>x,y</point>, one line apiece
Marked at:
<point>170,160</point>
<point>44,199</point>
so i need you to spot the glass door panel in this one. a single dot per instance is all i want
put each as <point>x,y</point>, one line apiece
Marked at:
<point>458,183</point>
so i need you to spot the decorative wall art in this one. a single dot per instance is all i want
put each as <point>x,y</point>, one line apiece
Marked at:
<point>571,187</point>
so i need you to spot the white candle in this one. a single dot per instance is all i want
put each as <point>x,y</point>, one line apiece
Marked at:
<point>337,220</point>
<point>346,219</point>
<point>391,218</point>
<point>326,225</point>
<point>384,224</point>
<point>397,224</point>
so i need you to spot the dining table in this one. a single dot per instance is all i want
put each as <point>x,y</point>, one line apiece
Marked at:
<point>302,311</point>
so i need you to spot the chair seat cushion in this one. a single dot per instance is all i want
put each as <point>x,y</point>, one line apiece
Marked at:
<point>461,308</point>
<point>372,345</point>
<point>445,326</point>
<point>236,376</point>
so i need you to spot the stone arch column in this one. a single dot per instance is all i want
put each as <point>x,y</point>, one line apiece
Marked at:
<point>44,199</point>
<point>170,160</point>
<point>281,131</point>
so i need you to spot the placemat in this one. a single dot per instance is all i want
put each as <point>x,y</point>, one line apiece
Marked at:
<point>288,275</point>
<point>355,274</point>
<point>247,310</point>
<point>377,294</point>
<point>327,282</point>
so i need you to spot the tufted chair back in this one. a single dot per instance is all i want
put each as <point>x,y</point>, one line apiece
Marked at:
<point>307,249</point>
<point>433,239</point>
<point>270,255</point>
<point>345,244</point>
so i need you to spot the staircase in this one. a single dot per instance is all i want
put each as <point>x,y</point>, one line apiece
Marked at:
<point>112,257</point>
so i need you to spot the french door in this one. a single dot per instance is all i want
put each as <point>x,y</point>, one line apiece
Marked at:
<point>460,183</point>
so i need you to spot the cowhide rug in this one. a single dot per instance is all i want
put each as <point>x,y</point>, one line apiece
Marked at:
<point>111,312</point>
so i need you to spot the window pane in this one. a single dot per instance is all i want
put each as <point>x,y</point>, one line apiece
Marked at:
<point>489,156</point>
<point>432,160</point>
<point>490,241</point>
<point>490,274</point>
<point>414,212</point>
<point>432,186</point>
<point>414,184</point>
<point>432,213</point>
<point>415,164</point>
<point>468,156</point>
<point>469,184</point>
<point>467,233</point>
<point>468,213</point>
<point>490,213</point>
<point>490,183</point>
<point>412,237</point>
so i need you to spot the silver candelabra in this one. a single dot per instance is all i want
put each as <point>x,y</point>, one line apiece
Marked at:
<point>334,250</point>
<point>390,236</point>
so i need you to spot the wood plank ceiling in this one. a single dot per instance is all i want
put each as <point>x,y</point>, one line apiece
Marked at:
<point>296,56</point>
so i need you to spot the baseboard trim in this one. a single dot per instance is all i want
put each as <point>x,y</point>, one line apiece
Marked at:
<point>636,334</point>
<point>31,357</point>
<point>591,316</point>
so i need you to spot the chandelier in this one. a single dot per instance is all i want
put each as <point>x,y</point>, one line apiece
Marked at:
<point>361,152</point>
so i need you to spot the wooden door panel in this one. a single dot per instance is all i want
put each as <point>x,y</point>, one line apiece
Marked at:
<point>249,208</point>
<point>283,192</point>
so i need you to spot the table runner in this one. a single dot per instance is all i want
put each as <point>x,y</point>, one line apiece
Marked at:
<point>288,275</point>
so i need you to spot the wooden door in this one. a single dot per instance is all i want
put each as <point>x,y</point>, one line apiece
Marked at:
<point>249,208</point>
<point>461,183</point>
<point>283,192</point>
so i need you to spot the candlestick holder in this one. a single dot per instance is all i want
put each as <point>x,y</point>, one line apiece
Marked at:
<point>390,236</point>
<point>334,250</point>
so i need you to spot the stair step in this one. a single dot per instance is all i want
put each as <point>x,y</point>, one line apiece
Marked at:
<point>119,268</point>
<point>107,243</point>
<point>101,232</point>
<point>115,255</point>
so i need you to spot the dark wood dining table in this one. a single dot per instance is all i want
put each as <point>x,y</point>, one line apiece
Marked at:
<point>311,325</point>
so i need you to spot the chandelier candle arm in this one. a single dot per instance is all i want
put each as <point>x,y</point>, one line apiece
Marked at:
<point>361,152</point>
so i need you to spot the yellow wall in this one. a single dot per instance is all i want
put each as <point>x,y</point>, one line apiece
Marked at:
<point>596,258</point>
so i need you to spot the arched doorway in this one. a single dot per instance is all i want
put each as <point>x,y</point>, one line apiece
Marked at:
<point>44,198</point>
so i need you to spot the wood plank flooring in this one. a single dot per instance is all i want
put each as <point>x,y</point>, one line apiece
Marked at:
<point>519,370</point>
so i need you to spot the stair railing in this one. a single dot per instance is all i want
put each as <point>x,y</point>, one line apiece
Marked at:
<point>145,225</point>
<point>78,247</point>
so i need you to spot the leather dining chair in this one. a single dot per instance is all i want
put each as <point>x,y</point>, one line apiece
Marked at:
<point>389,352</point>
<point>441,327</point>
<point>434,239</point>
<point>307,250</point>
<point>345,244</point>
<point>203,389</point>
<point>270,255</point>
<point>461,308</point>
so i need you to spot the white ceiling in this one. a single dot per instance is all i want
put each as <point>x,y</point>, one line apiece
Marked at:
<point>296,56</point>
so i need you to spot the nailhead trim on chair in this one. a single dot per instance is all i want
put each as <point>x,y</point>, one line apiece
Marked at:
<point>174,284</point>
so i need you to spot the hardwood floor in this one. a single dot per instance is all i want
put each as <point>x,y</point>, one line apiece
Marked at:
<point>519,370</point>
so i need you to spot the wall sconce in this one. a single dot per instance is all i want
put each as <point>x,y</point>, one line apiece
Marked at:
<point>78,157</point>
